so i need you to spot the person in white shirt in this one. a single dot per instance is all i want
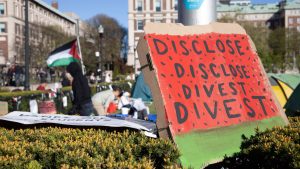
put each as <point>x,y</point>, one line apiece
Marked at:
<point>133,107</point>
<point>124,102</point>
<point>102,100</point>
<point>107,78</point>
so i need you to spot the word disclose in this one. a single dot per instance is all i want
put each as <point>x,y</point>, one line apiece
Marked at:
<point>210,80</point>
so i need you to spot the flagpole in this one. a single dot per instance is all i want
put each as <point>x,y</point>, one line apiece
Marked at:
<point>78,44</point>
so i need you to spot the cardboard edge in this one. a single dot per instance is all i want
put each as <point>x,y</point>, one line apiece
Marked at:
<point>151,80</point>
<point>282,112</point>
<point>179,29</point>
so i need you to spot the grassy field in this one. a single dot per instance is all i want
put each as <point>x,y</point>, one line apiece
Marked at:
<point>198,149</point>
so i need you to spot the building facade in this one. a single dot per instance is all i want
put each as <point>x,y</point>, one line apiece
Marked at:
<point>142,11</point>
<point>267,15</point>
<point>290,12</point>
<point>239,2</point>
<point>285,13</point>
<point>12,23</point>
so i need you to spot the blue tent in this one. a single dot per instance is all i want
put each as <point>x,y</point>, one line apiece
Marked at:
<point>141,89</point>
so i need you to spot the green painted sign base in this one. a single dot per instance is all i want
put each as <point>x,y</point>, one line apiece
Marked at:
<point>199,149</point>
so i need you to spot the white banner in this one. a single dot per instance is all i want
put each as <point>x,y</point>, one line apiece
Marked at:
<point>97,121</point>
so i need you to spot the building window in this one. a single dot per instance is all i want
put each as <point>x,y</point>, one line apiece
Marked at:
<point>2,9</point>
<point>291,20</point>
<point>140,25</point>
<point>158,5</point>
<point>2,28</point>
<point>156,20</point>
<point>31,16</point>
<point>17,14</point>
<point>140,5</point>
<point>18,29</point>
<point>176,5</point>
<point>298,20</point>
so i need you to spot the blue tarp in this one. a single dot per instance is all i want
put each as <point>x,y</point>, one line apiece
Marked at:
<point>141,89</point>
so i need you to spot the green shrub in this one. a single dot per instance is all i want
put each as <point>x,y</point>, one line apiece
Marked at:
<point>278,147</point>
<point>90,148</point>
<point>3,89</point>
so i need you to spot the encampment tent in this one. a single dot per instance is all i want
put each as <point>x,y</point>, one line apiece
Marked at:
<point>290,79</point>
<point>292,106</point>
<point>282,90</point>
<point>283,85</point>
<point>141,89</point>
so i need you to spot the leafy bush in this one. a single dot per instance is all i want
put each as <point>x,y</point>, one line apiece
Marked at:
<point>90,148</point>
<point>278,147</point>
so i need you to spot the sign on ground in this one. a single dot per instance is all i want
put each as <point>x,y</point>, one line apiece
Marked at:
<point>209,88</point>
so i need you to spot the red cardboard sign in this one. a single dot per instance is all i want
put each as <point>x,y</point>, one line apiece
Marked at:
<point>210,80</point>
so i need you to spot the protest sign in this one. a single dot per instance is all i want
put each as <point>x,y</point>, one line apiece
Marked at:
<point>28,118</point>
<point>209,86</point>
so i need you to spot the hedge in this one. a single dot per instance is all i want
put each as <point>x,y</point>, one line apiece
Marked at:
<point>275,148</point>
<point>83,148</point>
<point>25,96</point>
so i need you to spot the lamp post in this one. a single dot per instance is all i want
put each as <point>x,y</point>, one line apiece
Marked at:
<point>100,31</point>
<point>27,59</point>
<point>196,12</point>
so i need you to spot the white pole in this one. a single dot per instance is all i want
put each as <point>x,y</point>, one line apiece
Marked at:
<point>196,12</point>
<point>79,48</point>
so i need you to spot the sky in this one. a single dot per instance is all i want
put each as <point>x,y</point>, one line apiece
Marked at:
<point>114,8</point>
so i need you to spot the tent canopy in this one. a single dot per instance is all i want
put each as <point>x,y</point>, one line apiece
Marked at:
<point>281,90</point>
<point>292,106</point>
<point>290,79</point>
<point>141,89</point>
<point>283,85</point>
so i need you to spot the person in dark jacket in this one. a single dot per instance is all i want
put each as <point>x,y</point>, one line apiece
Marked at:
<point>82,103</point>
<point>65,81</point>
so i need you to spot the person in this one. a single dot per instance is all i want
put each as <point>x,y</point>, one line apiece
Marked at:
<point>124,102</point>
<point>11,76</point>
<point>135,108</point>
<point>18,73</point>
<point>82,102</point>
<point>92,78</point>
<point>139,110</point>
<point>66,79</point>
<point>42,87</point>
<point>42,75</point>
<point>107,78</point>
<point>101,100</point>
<point>52,74</point>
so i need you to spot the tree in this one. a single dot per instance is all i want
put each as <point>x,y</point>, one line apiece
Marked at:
<point>45,39</point>
<point>277,44</point>
<point>112,43</point>
<point>259,36</point>
<point>276,48</point>
<point>293,44</point>
<point>227,18</point>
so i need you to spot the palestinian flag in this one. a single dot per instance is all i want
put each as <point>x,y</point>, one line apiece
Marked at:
<point>64,55</point>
